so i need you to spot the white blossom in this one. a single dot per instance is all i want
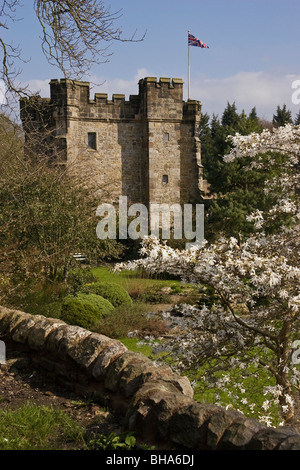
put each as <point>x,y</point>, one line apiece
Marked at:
<point>266,405</point>
<point>256,281</point>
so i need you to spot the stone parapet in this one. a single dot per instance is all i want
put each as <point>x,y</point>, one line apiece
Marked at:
<point>156,403</point>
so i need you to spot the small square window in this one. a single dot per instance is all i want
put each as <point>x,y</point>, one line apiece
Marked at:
<point>167,136</point>
<point>165,179</point>
<point>92,140</point>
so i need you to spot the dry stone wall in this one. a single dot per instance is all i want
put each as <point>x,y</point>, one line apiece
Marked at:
<point>156,403</point>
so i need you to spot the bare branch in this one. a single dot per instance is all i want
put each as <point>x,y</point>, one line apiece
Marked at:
<point>77,33</point>
<point>10,55</point>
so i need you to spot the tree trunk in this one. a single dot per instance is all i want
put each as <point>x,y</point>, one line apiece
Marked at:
<point>283,362</point>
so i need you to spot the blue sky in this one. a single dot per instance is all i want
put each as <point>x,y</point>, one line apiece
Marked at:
<point>252,60</point>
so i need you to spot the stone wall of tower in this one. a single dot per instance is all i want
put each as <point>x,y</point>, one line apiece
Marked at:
<point>191,169</point>
<point>113,166</point>
<point>146,148</point>
<point>163,112</point>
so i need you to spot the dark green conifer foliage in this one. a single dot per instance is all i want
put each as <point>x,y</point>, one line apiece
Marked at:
<point>237,191</point>
<point>283,116</point>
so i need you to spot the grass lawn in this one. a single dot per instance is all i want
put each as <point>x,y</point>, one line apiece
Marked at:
<point>130,279</point>
<point>133,344</point>
<point>32,427</point>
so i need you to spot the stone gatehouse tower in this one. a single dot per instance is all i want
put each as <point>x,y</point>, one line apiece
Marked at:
<point>146,148</point>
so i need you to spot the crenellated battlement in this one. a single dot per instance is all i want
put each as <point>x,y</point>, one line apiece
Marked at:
<point>159,99</point>
<point>152,92</point>
<point>164,83</point>
<point>73,86</point>
<point>74,97</point>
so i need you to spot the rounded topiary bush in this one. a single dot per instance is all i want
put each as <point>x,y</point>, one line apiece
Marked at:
<point>84,312</point>
<point>76,312</point>
<point>116,294</point>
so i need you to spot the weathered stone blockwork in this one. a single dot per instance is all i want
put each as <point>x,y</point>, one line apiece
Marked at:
<point>146,148</point>
<point>156,403</point>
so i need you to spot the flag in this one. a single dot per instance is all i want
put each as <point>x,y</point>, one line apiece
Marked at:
<point>192,41</point>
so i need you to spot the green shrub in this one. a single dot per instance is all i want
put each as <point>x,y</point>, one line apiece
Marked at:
<point>41,298</point>
<point>115,293</point>
<point>153,297</point>
<point>125,319</point>
<point>113,442</point>
<point>103,305</point>
<point>78,277</point>
<point>76,311</point>
<point>176,289</point>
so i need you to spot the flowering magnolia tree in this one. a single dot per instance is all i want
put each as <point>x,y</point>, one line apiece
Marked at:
<point>251,322</point>
<point>262,148</point>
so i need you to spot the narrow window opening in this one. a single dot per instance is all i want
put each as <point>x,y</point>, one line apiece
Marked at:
<point>167,136</point>
<point>92,141</point>
<point>165,179</point>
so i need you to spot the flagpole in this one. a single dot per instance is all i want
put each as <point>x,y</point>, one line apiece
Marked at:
<point>188,67</point>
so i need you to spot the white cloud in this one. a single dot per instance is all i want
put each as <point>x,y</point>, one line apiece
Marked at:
<point>97,85</point>
<point>118,85</point>
<point>42,87</point>
<point>263,90</point>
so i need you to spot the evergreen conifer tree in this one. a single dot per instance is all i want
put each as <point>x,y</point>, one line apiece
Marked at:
<point>283,116</point>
